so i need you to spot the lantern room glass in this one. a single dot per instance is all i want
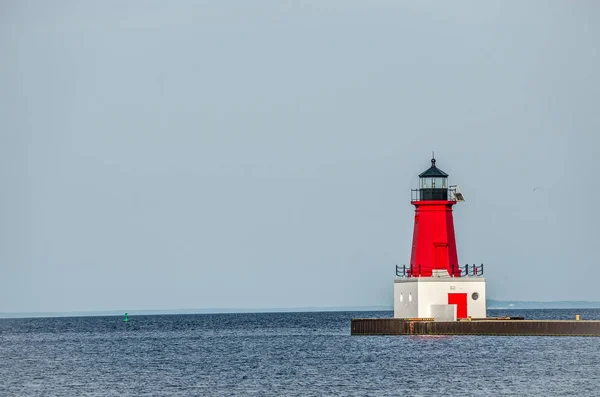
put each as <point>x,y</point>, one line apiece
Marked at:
<point>434,183</point>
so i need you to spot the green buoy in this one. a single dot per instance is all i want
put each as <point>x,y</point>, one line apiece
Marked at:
<point>126,319</point>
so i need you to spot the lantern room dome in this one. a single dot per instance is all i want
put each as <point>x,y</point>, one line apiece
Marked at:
<point>433,172</point>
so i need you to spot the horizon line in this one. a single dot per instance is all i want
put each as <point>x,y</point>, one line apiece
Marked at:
<point>298,309</point>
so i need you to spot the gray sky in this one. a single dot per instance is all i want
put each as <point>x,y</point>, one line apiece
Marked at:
<point>201,154</point>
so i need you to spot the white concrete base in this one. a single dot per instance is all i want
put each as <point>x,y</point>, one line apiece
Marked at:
<point>414,296</point>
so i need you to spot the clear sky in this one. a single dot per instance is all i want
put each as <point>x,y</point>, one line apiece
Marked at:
<point>260,154</point>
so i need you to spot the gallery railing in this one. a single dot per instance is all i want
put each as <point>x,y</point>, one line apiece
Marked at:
<point>451,194</point>
<point>460,271</point>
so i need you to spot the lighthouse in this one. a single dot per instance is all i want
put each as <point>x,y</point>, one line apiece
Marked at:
<point>434,295</point>
<point>434,284</point>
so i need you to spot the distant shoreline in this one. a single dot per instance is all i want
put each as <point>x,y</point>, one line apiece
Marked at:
<point>133,312</point>
<point>491,304</point>
<point>496,304</point>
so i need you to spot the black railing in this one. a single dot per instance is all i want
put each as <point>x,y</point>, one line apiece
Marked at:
<point>433,194</point>
<point>460,271</point>
<point>401,271</point>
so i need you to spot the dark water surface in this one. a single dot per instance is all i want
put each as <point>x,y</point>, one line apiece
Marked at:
<point>285,354</point>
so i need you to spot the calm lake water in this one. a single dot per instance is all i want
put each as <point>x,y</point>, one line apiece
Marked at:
<point>285,354</point>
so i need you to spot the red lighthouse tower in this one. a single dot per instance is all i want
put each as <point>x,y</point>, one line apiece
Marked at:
<point>434,243</point>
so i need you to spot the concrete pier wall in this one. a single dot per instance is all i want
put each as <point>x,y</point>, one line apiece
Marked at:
<point>396,326</point>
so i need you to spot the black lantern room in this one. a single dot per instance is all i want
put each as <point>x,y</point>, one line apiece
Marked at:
<point>433,183</point>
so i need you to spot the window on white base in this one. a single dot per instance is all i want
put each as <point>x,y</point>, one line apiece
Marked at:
<point>410,296</point>
<point>401,297</point>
